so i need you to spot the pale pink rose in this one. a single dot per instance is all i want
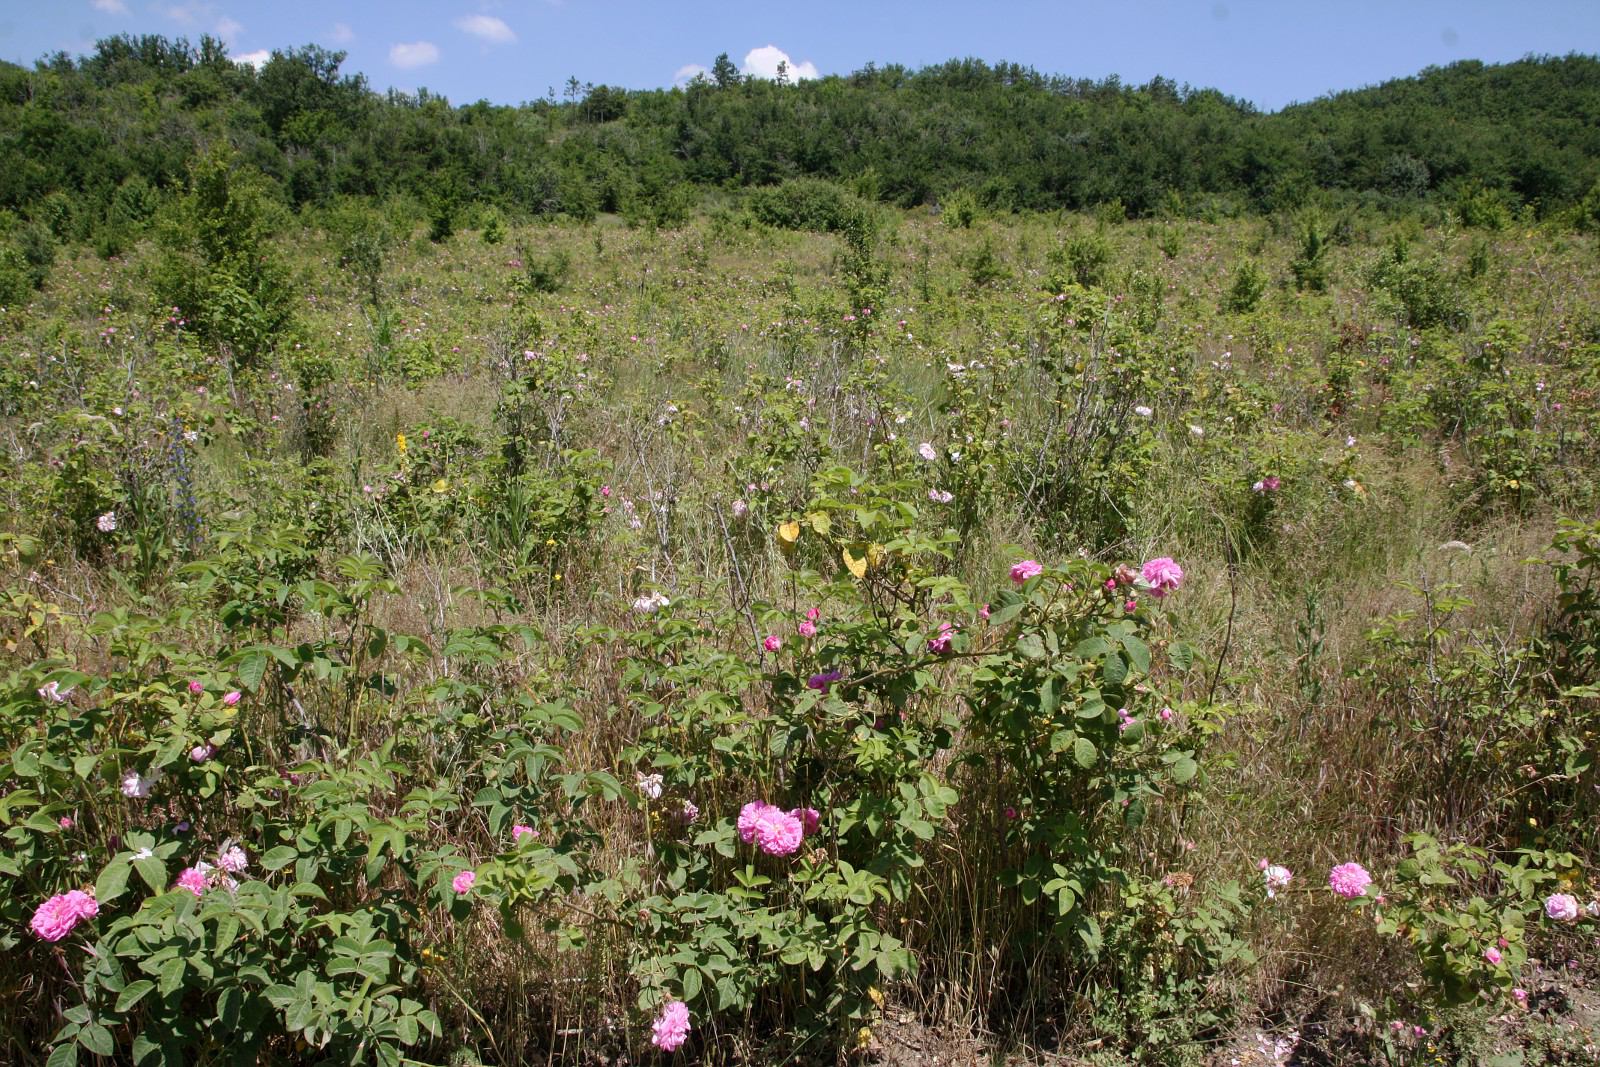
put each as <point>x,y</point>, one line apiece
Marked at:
<point>671,1028</point>
<point>1563,907</point>
<point>1163,575</point>
<point>1028,568</point>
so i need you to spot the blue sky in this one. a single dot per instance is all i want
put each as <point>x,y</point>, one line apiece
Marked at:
<point>1271,52</point>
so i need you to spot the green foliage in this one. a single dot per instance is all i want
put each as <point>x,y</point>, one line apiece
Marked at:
<point>363,238</point>
<point>959,210</point>
<point>808,204</point>
<point>1245,292</point>
<point>1421,289</point>
<point>1310,268</point>
<point>984,266</point>
<point>1081,260</point>
<point>543,273</point>
<point>218,265</point>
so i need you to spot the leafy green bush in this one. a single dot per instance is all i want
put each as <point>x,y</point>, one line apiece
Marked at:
<point>807,204</point>
<point>1245,291</point>
<point>218,266</point>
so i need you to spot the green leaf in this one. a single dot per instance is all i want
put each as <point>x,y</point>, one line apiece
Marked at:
<point>1184,768</point>
<point>152,872</point>
<point>1031,646</point>
<point>113,881</point>
<point>251,666</point>
<point>63,1055</point>
<point>135,992</point>
<point>171,975</point>
<point>1010,607</point>
<point>97,1039</point>
<point>691,983</point>
<point>1084,752</point>
<point>1047,697</point>
<point>1115,671</point>
<point>278,858</point>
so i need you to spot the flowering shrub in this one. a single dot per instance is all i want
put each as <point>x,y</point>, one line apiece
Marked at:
<point>1467,946</point>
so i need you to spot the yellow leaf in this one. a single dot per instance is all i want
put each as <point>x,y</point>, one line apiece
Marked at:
<point>789,532</point>
<point>857,567</point>
<point>441,486</point>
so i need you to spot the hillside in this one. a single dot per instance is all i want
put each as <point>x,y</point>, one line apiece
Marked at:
<point>98,141</point>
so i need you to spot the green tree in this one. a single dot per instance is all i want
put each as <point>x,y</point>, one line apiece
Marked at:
<point>218,264</point>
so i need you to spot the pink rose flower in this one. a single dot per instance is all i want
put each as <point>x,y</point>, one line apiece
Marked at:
<point>462,882</point>
<point>1021,572</point>
<point>671,1028</point>
<point>747,819</point>
<point>810,819</point>
<point>519,831</point>
<point>773,830</point>
<point>772,643</point>
<point>56,917</point>
<point>196,688</point>
<point>778,833</point>
<point>1563,907</point>
<point>1349,880</point>
<point>1491,954</point>
<point>1164,576</point>
<point>232,698</point>
<point>808,629</point>
<point>193,879</point>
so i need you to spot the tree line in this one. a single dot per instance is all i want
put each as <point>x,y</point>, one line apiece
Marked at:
<point>95,144</point>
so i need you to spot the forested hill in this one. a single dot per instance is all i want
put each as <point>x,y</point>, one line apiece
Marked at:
<point>94,145</point>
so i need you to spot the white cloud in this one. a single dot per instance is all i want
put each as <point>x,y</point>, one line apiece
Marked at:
<point>228,29</point>
<point>688,73</point>
<point>416,54</point>
<point>190,12</point>
<point>487,28</point>
<point>342,33</point>
<point>110,7</point>
<point>763,63</point>
<point>256,59</point>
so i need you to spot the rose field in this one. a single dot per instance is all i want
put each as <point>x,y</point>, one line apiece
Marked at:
<point>800,628</point>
